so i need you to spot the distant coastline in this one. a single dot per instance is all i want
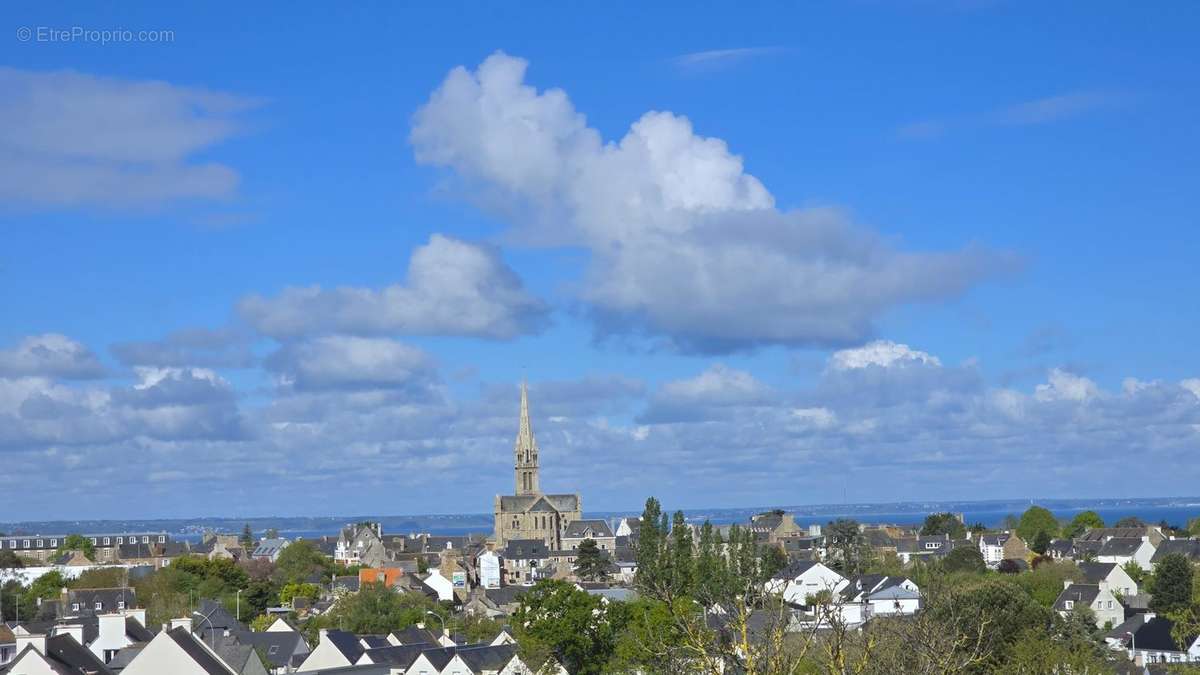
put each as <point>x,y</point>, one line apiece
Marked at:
<point>991,513</point>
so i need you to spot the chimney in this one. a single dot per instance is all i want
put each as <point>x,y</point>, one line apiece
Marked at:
<point>183,621</point>
<point>112,628</point>
<point>324,634</point>
<point>37,641</point>
<point>139,615</point>
<point>74,630</point>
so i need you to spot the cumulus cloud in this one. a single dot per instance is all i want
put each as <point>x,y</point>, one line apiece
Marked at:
<point>1065,386</point>
<point>684,242</point>
<point>346,362</point>
<point>882,353</point>
<point>69,139</point>
<point>706,395</point>
<point>52,355</point>
<point>452,288</point>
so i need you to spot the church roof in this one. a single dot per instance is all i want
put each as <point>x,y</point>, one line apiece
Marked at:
<point>525,438</point>
<point>523,503</point>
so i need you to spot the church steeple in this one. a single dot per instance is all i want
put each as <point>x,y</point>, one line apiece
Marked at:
<point>526,451</point>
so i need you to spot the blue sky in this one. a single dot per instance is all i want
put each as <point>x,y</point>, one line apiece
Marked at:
<point>745,255</point>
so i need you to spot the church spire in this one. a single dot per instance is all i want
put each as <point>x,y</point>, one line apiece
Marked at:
<point>526,450</point>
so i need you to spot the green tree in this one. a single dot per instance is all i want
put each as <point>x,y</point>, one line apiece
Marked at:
<point>712,568</point>
<point>1082,522</point>
<point>653,564</point>
<point>15,603</point>
<point>291,591</point>
<point>1044,583</point>
<point>76,542</point>
<point>846,538</point>
<point>247,538</point>
<point>683,564</point>
<point>101,577</point>
<point>1036,519</point>
<point>271,533</point>
<point>943,523</point>
<point>580,631</point>
<point>590,563</point>
<point>299,561</point>
<point>1041,542</point>
<point>376,609</point>
<point>1172,584</point>
<point>773,560</point>
<point>1130,521</point>
<point>261,623</point>
<point>9,560</point>
<point>965,559</point>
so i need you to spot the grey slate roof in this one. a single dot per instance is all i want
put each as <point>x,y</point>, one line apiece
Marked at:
<point>218,618</point>
<point>1120,546</point>
<point>794,570</point>
<point>1080,594</point>
<point>1189,548</point>
<point>75,657</point>
<point>201,656</point>
<point>1153,634</point>
<point>1095,572</point>
<point>349,583</point>
<point>401,656</point>
<point>579,528</point>
<point>346,643</point>
<point>124,656</point>
<point>505,595</point>
<point>269,547</point>
<point>525,549</point>
<point>413,636</point>
<point>519,503</point>
<point>109,599</point>
<point>277,646</point>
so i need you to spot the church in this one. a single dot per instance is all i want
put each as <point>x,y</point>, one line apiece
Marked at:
<point>530,513</point>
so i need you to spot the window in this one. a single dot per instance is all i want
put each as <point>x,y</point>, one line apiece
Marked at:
<point>41,543</point>
<point>53,543</point>
<point>145,540</point>
<point>93,541</point>
<point>99,605</point>
<point>107,541</point>
<point>120,604</point>
<point>273,650</point>
<point>162,539</point>
<point>75,607</point>
<point>26,543</point>
<point>120,540</point>
<point>1068,604</point>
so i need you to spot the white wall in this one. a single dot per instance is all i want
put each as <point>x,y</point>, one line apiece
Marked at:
<point>161,656</point>
<point>324,655</point>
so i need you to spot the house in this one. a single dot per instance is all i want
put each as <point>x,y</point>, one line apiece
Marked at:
<point>868,595</point>
<point>1097,597</point>
<point>800,581</point>
<point>117,631</point>
<point>488,564</point>
<point>179,652</point>
<point>504,599</point>
<point>999,546</point>
<point>439,583</point>
<point>523,560</point>
<point>1147,639</point>
<point>38,654</point>
<point>1118,580</point>
<point>469,660</point>
<point>360,544</point>
<point>281,645</point>
<point>43,547</point>
<point>419,635</point>
<point>628,527</point>
<point>773,525</point>
<point>335,648</point>
<point>578,531</point>
<point>269,549</point>
<point>8,644</point>
<point>1123,550</point>
<point>924,546</point>
<point>1188,548</point>
<point>1153,532</point>
<point>1061,549</point>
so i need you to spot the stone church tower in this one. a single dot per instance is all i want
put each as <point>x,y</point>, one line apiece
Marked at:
<point>526,451</point>
<point>530,514</point>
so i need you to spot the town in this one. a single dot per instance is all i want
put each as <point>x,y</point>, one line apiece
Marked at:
<point>550,591</point>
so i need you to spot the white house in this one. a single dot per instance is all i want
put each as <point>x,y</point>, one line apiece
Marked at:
<point>1146,638</point>
<point>1118,580</point>
<point>991,547</point>
<point>1098,597</point>
<point>335,649</point>
<point>868,595</point>
<point>38,654</point>
<point>489,569</point>
<point>1122,550</point>
<point>178,652</point>
<point>801,580</point>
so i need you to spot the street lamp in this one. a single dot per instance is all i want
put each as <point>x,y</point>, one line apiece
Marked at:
<point>439,618</point>
<point>239,604</point>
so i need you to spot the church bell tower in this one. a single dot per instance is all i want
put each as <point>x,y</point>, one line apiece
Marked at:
<point>526,451</point>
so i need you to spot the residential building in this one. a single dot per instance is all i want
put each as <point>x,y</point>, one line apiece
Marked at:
<point>773,525</point>
<point>39,654</point>
<point>999,546</point>
<point>800,581</point>
<point>1188,548</point>
<point>869,595</point>
<point>578,531</point>
<point>1118,580</point>
<point>1123,550</point>
<point>269,549</point>
<point>1153,532</point>
<point>42,547</point>
<point>525,561</point>
<point>1097,597</point>
<point>530,513</point>
<point>1147,639</point>
<point>178,652</point>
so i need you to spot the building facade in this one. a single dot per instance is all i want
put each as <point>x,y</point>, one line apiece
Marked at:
<point>530,513</point>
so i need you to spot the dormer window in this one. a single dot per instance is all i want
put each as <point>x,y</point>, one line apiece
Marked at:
<point>75,607</point>
<point>1068,604</point>
<point>41,543</point>
<point>99,606</point>
<point>107,541</point>
<point>120,540</point>
<point>53,543</point>
<point>120,604</point>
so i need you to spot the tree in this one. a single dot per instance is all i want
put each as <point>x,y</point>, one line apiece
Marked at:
<point>376,609</point>
<point>9,560</point>
<point>653,564</point>
<point>271,533</point>
<point>261,623</point>
<point>773,560</point>
<point>247,538</point>
<point>847,541</point>
<point>580,631</point>
<point>1082,522</point>
<point>1044,583</point>
<point>1172,584</point>
<point>965,559</point>
<point>299,561</point>
<point>15,603</point>
<point>102,577</point>
<point>1036,519</point>
<point>1041,542</point>
<point>943,523</point>
<point>290,592</point>
<point>76,542</point>
<point>590,563</point>
<point>1009,567</point>
<point>1130,521</point>
<point>683,564</point>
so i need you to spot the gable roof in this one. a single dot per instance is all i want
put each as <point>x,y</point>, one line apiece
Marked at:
<point>795,569</point>
<point>345,642</point>
<point>212,615</point>
<point>66,651</point>
<point>1095,572</point>
<point>1153,633</point>
<point>1079,594</point>
<point>1120,546</point>
<point>580,528</point>
<point>526,549</point>
<point>276,646</point>
<point>1189,548</point>
<point>197,652</point>
<point>398,655</point>
<point>414,636</point>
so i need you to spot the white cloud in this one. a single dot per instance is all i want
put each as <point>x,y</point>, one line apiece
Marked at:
<point>69,139</point>
<point>882,353</point>
<point>1065,386</point>
<point>52,355</point>
<point>716,57</point>
<point>685,244</point>
<point>339,361</point>
<point>818,418</point>
<point>1192,385</point>
<point>717,384</point>
<point>453,288</point>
